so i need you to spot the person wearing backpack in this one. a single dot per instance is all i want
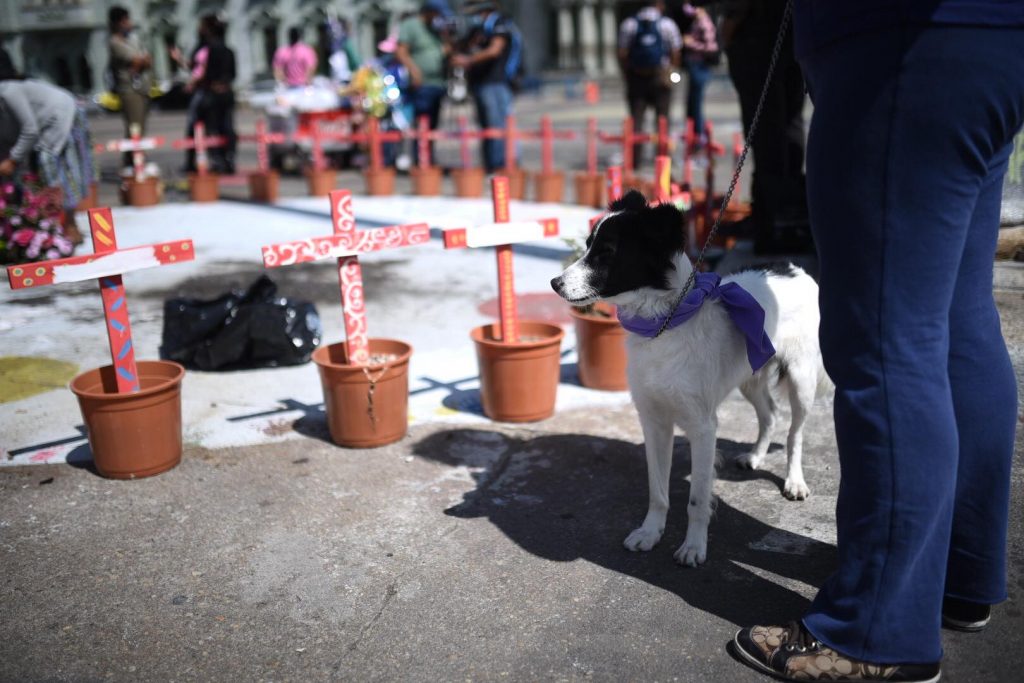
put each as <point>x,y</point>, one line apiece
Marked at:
<point>493,62</point>
<point>649,47</point>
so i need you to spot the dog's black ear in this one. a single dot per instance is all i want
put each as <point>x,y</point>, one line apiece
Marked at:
<point>666,222</point>
<point>631,201</point>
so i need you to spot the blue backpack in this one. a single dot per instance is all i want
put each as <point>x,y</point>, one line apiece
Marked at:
<point>647,51</point>
<point>514,68</point>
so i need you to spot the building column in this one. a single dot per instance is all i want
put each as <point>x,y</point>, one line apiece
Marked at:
<point>98,55</point>
<point>566,38</point>
<point>589,39</point>
<point>609,40</point>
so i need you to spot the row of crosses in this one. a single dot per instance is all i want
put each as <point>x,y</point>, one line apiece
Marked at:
<point>108,263</point>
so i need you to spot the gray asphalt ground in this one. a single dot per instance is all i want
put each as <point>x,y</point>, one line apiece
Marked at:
<point>482,552</point>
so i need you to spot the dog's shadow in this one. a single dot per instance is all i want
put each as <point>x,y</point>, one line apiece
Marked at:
<point>575,496</point>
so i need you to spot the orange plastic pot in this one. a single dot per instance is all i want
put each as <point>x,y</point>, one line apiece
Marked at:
<point>142,193</point>
<point>263,186</point>
<point>469,182</point>
<point>518,179</point>
<point>589,191</point>
<point>380,182</point>
<point>91,199</point>
<point>132,435</point>
<point>519,380</point>
<point>426,182</point>
<point>601,349</point>
<point>202,187</point>
<point>365,406</point>
<point>321,181</point>
<point>549,187</point>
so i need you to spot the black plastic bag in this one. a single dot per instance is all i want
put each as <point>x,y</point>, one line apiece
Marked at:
<point>250,329</point>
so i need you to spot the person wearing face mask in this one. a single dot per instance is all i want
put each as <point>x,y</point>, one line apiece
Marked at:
<point>493,63</point>
<point>422,50</point>
<point>130,65</point>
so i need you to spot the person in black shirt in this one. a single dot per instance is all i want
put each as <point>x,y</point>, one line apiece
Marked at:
<point>217,110</point>
<point>488,61</point>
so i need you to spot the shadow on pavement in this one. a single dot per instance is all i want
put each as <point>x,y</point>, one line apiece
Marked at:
<point>574,496</point>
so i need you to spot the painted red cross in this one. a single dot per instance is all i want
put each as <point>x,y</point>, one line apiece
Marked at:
<point>107,265</point>
<point>464,135</point>
<point>136,144</point>
<point>200,142</point>
<point>263,140</point>
<point>346,244</point>
<point>502,234</point>
<point>424,136</point>
<point>547,136</point>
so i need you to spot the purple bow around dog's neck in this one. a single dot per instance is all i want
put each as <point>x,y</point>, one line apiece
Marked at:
<point>742,308</point>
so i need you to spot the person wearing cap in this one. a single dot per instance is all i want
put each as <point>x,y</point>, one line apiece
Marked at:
<point>486,63</point>
<point>422,51</point>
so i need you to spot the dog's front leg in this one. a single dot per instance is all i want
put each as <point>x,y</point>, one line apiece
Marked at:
<point>702,478</point>
<point>657,427</point>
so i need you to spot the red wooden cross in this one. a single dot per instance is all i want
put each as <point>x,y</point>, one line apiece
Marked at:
<point>200,142</point>
<point>375,138</point>
<point>627,138</point>
<point>346,244</point>
<point>502,234</point>
<point>136,144</point>
<point>263,140</point>
<point>424,136</point>
<point>547,137</point>
<point>464,135</point>
<point>107,265</point>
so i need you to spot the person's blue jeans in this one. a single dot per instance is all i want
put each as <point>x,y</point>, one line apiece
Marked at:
<point>426,101</point>
<point>699,74</point>
<point>493,106</point>
<point>908,146</point>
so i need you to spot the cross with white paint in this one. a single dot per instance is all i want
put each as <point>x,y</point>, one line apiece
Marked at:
<point>345,245</point>
<point>107,265</point>
<point>136,144</point>
<point>502,234</point>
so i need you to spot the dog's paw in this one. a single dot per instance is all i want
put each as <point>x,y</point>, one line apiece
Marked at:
<point>642,539</point>
<point>749,461</point>
<point>692,554</point>
<point>795,489</point>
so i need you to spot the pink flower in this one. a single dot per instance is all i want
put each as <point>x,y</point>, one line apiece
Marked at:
<point>15,220</point>
<point>52,253</point>
<point>22,237</point>
<point>45,224</point>
<point>3,204</point>
<point>9,188</point>
<point>31,213</point>
<point>63,244</point>
<point>32,252</point>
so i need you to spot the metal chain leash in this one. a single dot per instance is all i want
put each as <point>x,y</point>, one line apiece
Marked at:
<point>783,26</point>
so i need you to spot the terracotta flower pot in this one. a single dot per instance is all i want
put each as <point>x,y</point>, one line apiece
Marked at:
<point>91,199</point>
<point>518,179</point>
<point>144,193</point>
<point>589,190</point>
<point>133,435</point>
<point>549,187</point>
<point>518,381</point>
<point>469,182</point>
<point>601,347</point>
<point>263,186</point>
<point>380,182</point>
<point>202,187</point>
<point>321,181</point>
<point>426,182</point>
<point>365,406</point>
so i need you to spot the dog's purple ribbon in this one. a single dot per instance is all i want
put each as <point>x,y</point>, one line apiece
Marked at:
<point>742,308</point>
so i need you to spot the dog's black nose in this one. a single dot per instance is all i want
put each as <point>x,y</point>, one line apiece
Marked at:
<point>556,284</point>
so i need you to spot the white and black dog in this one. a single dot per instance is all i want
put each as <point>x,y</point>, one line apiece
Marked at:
<point>635,259</point>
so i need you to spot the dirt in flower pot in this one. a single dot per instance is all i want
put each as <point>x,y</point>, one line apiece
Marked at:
<point>366,406</point>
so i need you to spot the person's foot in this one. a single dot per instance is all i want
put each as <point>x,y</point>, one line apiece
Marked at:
<point>792,653</point>
<point>963,615</point>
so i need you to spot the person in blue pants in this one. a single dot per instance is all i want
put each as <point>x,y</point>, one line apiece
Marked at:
<point>916,104</point>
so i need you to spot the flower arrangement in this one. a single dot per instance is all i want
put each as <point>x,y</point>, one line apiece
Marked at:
<point>30,223</point>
